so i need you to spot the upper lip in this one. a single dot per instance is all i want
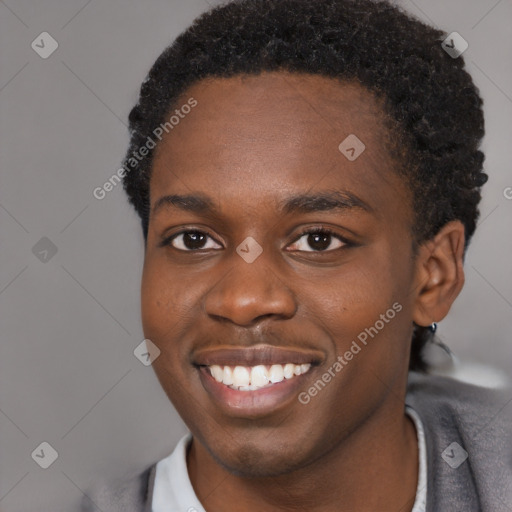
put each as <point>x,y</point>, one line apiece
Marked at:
<point>255,355</point>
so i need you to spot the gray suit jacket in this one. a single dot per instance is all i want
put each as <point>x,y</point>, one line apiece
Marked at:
<point>478,420</point>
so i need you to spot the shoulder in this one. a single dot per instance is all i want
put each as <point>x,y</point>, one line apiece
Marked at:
<point>476,406</point>
<point>132,493</point>
<point>468,431</point>
<point>482,416</point>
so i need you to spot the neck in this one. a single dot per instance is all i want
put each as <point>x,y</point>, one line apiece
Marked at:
<point>374,468</point>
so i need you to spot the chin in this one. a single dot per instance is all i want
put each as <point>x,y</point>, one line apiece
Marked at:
<point>251,461</point>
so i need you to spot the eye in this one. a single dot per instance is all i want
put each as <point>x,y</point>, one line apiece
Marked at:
<point>188,241</point>
<point>320,240</point>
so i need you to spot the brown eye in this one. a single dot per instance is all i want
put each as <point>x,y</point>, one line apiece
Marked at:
<point>191,241</point>
<point>318,240</point>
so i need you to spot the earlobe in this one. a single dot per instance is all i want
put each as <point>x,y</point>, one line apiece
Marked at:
<point>439,274</point>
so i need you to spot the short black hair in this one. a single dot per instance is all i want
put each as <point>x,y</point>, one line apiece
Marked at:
<point>431,103</point>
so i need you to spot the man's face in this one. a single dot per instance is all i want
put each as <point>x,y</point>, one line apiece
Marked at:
<point>249,146</point>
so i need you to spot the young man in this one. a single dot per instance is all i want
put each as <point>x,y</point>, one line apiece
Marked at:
<point>307,176</point>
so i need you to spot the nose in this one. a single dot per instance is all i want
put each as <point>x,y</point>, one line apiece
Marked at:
<point>250,292</point>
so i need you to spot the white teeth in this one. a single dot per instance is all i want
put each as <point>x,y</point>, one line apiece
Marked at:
<point>289,370</point>
<point>217,372</point>
<point>241,376</point>
<point>227,376</point>
<point>305,367</point>
<point>276,373</point>
<point>259,376</point>
<point>247,378</point>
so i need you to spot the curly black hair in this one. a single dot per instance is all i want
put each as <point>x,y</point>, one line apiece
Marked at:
<point>432,106</point>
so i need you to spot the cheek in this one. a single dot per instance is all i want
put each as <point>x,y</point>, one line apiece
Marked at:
<point>352,295</point>
<point>365,302</point>
<point>167,302</point>
<point>167,312</point>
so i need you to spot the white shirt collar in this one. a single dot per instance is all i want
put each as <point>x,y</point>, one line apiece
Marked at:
<point>420,503</point>
<point>173,489</point>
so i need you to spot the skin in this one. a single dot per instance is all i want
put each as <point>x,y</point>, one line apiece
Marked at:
<point>250,143</point>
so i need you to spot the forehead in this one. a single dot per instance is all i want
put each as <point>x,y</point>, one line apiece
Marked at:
<point>276,132</point>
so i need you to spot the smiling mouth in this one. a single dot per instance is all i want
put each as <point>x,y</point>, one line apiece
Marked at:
<point>252,378</point>
<point>254,381</point>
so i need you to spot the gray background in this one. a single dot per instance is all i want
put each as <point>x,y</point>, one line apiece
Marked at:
<point>68,375</point>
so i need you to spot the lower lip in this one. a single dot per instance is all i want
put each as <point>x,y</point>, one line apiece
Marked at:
<point>259,402</point>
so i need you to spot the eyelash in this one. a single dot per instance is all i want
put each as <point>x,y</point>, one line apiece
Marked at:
<point>308,231</point>
<point>324,231</point>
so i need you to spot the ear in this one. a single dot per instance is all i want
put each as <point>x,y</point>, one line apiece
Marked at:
<point>439,274</point>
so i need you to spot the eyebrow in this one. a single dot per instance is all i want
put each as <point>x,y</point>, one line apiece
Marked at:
<point>299,203</point>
